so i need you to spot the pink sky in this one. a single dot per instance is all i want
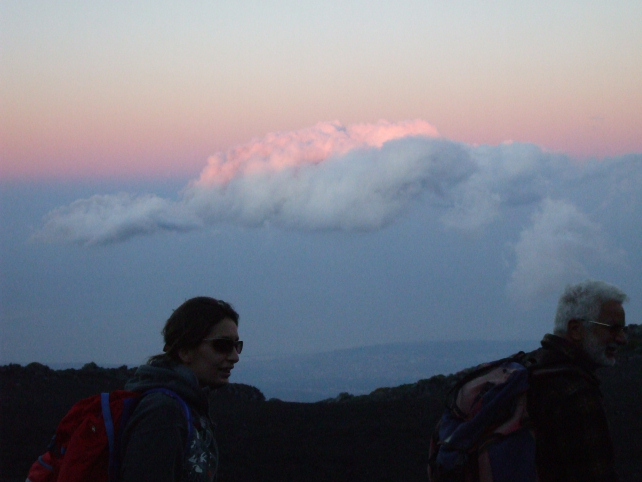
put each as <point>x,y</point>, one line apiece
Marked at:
<point>99,91</point>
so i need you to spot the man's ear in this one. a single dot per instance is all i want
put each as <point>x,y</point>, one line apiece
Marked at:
<point>575,330</point>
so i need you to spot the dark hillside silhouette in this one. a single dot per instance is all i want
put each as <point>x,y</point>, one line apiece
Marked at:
<point>380,437</point>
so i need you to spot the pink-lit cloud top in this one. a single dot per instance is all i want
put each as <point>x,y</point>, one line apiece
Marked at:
<point>312,145</point>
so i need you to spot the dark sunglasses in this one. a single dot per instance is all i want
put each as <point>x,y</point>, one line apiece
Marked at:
<point>225,345</point>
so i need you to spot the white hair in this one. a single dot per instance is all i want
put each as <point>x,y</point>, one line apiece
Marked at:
<point>583,301</point>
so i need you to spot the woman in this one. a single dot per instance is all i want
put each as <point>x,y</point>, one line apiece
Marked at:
<point>201,347</point>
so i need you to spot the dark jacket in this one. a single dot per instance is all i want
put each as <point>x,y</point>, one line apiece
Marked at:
<point>156,435</point>
<point>572,433</point>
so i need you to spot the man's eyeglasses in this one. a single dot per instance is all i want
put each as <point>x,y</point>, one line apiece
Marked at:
<point>614,329</point>
<point>225,345</point>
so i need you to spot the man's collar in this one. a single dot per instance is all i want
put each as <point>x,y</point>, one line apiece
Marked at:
<point>569,351</point>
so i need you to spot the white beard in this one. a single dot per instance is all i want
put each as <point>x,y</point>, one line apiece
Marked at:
<point>596,349</point>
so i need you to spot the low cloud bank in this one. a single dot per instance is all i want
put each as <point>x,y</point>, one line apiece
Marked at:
<point>106,219</point>
<point>364,177</point>
<point>552,250</point>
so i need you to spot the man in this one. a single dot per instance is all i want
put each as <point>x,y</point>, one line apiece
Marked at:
<point>573,440</point>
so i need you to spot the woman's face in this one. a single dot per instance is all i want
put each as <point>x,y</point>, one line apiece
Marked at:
<point>212,366</point>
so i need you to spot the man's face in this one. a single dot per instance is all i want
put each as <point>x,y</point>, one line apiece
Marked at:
<point>602,342</point>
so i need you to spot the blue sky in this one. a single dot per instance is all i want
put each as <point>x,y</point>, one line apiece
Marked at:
<point>345,174</point>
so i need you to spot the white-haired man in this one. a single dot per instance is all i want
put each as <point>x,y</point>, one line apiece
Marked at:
<point>573,439</point>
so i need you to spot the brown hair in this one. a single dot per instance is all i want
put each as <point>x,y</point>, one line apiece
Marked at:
<point>190,323</point>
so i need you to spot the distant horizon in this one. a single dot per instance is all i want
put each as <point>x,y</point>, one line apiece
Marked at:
<point>359,371</point>
<point>318,376</point>
<point>281,356</point>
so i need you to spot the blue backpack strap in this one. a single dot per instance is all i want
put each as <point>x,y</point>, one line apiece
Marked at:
<point>109,427</point>
<point>188,413</point>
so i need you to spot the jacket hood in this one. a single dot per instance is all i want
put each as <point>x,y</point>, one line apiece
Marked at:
<point>163,374</point>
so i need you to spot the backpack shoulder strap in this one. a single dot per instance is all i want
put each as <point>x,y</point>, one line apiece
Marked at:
<point>538,367</point>
<point>109,423</point>
<point>129,405</point>
<point>114,423</point>
<point>186,410</point>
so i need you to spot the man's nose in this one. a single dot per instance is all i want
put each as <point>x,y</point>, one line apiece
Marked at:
<point>621,338</point>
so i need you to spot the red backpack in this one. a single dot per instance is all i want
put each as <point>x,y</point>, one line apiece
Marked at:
<point>86,445</point>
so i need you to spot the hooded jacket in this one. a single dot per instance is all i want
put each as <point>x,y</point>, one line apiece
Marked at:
<point>156,435</point>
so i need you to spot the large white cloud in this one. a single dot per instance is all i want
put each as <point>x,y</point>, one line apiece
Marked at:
<point>361,189</point>
<point>364,177</point>
<point>325,177</point>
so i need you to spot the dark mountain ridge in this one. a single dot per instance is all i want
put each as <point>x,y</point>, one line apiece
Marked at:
<point>380,436</point>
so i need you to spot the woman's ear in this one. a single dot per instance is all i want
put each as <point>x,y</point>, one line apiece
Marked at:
<point>186,355</point>
<point>575,331</point>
